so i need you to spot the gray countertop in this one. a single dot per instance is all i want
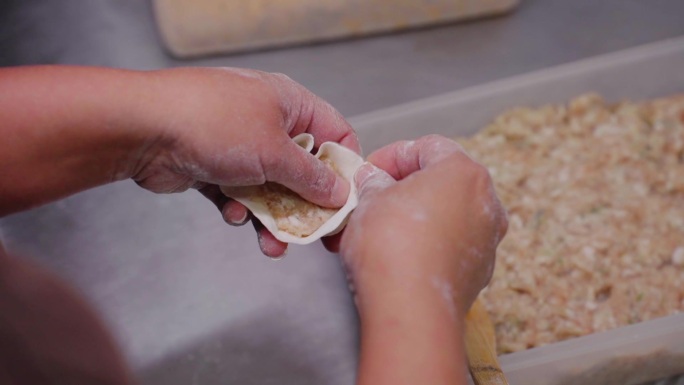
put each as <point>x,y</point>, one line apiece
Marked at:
<point>190,299</point>
<point>355,75</point>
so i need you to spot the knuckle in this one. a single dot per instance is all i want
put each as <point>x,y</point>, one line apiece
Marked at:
<point>489,272</point>
<point>325,182</point>
<point>434,138</point>
<point>270,164</point>
<point>436,148</point>
<point>284,82</point>
<point>479,173</point>
<point>442,141</point>
<point>503,223</point>
<point>282,76</point>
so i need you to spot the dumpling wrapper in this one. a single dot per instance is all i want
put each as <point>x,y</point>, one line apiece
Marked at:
<point>289,217</point>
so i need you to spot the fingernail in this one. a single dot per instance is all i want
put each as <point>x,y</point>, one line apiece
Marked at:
<point>340,192</point>
<point>281,256</point>
<point>242,220</point>
<point>371,178</point>
<point>366,170</point>
<point>239,222</point>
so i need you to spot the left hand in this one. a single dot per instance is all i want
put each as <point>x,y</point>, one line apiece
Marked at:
<point>234,127</point>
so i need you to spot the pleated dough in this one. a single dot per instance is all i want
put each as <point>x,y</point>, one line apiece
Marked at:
<point>289,217</point>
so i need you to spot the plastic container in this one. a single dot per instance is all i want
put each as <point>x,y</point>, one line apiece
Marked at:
<point>629,355</point>
<point>192,28</point>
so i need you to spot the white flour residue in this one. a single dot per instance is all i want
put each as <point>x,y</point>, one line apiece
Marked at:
<point>418,214</point>
<point>338,120</point>
<point>350,284</point>
<point>446,292</point>
<point>477,255</point>
<point>406,151</point>
<point>375,179</point>
<point>262,245</point>
<point>242,72</point>
<point>245,169</point>
<point>196,171</point>
<point>488,211</point>
<point>437,148</point>
<point>475,252</point>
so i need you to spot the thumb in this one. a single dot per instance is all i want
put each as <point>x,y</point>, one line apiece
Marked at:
<point>308,176</point>
<point>370,179</point>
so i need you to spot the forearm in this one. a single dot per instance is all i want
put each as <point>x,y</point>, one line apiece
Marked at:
<point>66,129</point>
<point>411,330</point>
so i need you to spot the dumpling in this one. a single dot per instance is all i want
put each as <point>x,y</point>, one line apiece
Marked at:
<point>291,218</point>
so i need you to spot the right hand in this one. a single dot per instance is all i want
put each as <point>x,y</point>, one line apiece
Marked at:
<point>427,214</point>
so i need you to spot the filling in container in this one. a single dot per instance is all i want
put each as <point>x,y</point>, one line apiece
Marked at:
<point>593,185</point>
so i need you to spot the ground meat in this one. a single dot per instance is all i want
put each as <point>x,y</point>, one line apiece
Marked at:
<point>292,213</point>
<point>595,196</point>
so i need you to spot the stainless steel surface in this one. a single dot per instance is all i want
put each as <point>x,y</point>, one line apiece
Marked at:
<point>357,76</point>
<point>189,298</point>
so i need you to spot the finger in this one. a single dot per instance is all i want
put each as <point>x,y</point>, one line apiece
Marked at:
<point>235,213</point>
<point>308,176</point>
<point>370,179</point>
<point>332,243</point>
<point>328,125</point>
<point>403,158</point>
<point>269,245</point>
<point>313,115</point>
<point>503,225</point>
<point>214,194</point>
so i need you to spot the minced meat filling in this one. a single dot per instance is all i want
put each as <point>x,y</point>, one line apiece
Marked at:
<point>595,196</point>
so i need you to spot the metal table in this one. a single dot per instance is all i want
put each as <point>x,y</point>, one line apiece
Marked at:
<point>190,299</point>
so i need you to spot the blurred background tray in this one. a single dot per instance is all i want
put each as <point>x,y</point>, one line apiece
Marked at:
<point>191,28</point>
<point>644,72</point>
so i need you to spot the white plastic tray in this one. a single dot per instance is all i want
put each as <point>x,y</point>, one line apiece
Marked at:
<point>645,72</point>
<point>627,355</point>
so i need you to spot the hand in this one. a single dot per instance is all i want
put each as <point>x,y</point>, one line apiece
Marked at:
<point>418,249</point>
<point>442,217</point>
<point>234,127</point>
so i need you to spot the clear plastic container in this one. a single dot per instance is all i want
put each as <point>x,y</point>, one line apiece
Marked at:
<point>629,355</point>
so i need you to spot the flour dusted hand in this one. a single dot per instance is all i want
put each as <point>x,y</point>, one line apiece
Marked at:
<point>291,218</point>
<point>418,249</point>
<point>234,127</point>
<point>425,198</point>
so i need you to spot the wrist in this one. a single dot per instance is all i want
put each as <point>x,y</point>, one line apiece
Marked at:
<point>420,270</point>
<point>403,292</point>
<point>142,120</point>
<point>411,322</point>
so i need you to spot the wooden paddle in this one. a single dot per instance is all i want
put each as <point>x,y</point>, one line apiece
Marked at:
<point>481,347</point>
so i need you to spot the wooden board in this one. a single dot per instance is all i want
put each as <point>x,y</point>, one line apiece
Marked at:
<point>480,343</point>
<point>192,28</point>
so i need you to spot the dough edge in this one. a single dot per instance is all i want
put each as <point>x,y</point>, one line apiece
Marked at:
<point>346,161</point>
